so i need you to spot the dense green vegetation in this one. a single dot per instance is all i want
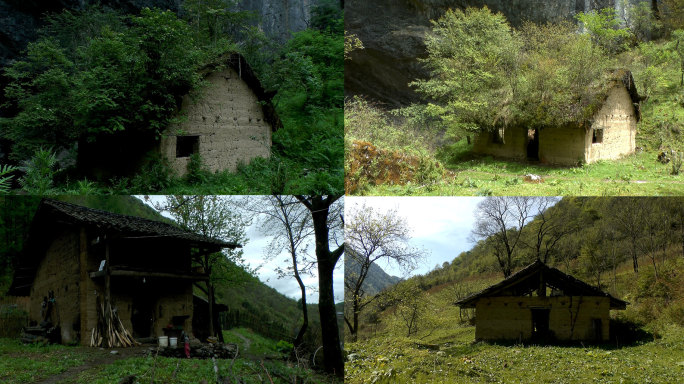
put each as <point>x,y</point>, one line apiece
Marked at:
<point>413,332</point>
<point>97,79</point>
<point>258,358</point>
<point>540,76</point>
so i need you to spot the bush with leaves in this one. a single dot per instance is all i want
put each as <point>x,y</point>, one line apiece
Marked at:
<point>39,173</point>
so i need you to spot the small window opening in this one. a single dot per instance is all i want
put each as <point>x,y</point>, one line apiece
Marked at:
<point>597,137</point>
<point>498,136</point>
<point>186,146</point>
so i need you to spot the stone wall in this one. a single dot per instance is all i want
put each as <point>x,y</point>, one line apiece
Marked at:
<point>617,119</point>
<point>228,121</point>
<point>58,271</point>
<point>570,317</point>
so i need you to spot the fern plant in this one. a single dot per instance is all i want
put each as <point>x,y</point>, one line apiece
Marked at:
<point>6,177</point>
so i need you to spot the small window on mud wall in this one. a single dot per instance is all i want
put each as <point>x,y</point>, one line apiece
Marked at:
<point>597,137</point>
<point>186,146</point>
<point>498,136</point>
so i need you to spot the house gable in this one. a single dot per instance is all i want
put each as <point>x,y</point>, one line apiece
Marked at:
<point>541,302</point>
<point>227,123</point>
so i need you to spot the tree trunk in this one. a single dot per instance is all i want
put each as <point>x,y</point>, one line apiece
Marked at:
<point>332,351</point>
<point>305,322</point>
<point>356,310</point>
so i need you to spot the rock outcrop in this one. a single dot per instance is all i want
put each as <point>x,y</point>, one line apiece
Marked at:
<point>393,33</point>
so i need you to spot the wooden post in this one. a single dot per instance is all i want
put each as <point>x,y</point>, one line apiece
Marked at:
<point>541,292</point>
<point>83,286</point>
<point>108,296</point>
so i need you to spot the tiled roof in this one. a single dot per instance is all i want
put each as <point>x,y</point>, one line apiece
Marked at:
<point>529,277</point>
<point>127,224</point>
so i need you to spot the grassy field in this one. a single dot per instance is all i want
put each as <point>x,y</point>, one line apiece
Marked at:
<point>259,361</point>
<point>443,349</point>
<point>458,360</point>
<point>638,174</point>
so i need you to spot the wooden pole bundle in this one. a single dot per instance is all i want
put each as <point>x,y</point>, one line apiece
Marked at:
<point>110,331</point>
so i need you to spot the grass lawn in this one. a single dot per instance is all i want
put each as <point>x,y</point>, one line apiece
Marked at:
<point>31,363</point>
<point>638,174</point>
<point>21,363</point>
<point>459,360</point>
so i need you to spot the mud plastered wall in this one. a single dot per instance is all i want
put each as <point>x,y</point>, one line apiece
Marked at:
<point>227,120</point>
<point>58,271</point>
<point>617,119</point>
<point>562,145</point>
<point>514,144</point>
<point>570,317</point>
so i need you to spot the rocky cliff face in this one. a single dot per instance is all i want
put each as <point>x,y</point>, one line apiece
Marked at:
<point>393,32</point>
<point>20,19</point>
<point>280,18</point>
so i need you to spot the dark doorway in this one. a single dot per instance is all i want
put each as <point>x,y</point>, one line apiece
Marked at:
<point>597,330</point>
<point>540,323</point>
<point>142,312</point>
<point>533,144</point>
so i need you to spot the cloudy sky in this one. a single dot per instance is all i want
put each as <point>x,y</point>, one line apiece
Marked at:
<point>255,251</point>
<point>440,225</point>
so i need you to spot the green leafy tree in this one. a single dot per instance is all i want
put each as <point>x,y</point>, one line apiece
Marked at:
<point>472,59</point>
<point>118,79</point>
<point>214,217</point>
<point>606,28</point>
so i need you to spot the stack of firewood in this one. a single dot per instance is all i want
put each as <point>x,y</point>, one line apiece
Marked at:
<point>110,331</point>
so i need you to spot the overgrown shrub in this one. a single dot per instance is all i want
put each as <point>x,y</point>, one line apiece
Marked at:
<point>39,173</point>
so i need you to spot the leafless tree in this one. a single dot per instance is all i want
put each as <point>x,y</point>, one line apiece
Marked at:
<point>548,229</point>
<point>289,223</point>
<point>502,220</point>
<point>373,236</point>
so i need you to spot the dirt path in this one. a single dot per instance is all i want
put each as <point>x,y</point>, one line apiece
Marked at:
<point>96,358</point>
<point>245,340</point>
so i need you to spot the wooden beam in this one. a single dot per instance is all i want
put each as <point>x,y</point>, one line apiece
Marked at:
<point>169,275</point>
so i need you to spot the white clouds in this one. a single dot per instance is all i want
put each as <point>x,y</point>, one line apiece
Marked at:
<point>440,225</point>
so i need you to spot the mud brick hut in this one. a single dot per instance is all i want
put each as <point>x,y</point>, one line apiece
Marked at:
<point>231,121</point>
<point>609,135</point>
<point>541,303</point>
<point>76,258</point>
<point>228,121</point>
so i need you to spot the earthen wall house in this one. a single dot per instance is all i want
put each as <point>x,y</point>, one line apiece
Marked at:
<point>228,122</point>
<point>609,135</point>
<point>149,270</point>
<point>542,303</point>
